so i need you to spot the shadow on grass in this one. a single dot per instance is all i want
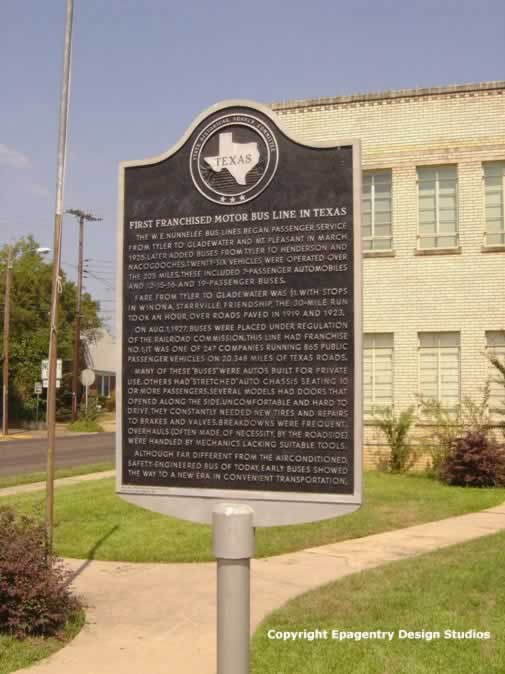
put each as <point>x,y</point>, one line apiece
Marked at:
<point>91,554</point>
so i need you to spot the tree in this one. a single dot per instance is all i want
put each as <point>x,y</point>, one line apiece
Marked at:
<point>30,305</point>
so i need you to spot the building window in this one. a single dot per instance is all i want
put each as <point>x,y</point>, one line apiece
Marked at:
<point>377,372</point>
<point>376,207</point>
<point>439,367</point>
<point>438,211</point>
<point>105,384</point>
<point>494,190</point>
<point>495,346</point>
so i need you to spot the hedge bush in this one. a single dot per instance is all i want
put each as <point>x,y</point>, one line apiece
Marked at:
<point>474,460</point>
<point>85,426</point>
<point>396,429</point>
<point>35,599</point>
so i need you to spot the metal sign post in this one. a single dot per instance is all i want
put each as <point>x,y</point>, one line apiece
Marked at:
<point>239,399</point>
<point>87,379</point>
<point>37,389</point>
<point>233,547</point>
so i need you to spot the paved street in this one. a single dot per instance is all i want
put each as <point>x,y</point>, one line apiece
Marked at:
<point>29,456</point>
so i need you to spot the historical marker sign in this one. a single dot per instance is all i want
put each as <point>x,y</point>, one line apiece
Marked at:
<point>240,323</point>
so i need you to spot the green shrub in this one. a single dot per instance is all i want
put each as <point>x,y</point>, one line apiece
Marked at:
<point>85,426</point>
<point>396,429</point>
<point>445,425</point>
<point>35,598</point>
<point>63,414</point>
<point>474,460</point>
<point>91,412</point>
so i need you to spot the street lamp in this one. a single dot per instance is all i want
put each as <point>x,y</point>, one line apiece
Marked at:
<point>5,358</point>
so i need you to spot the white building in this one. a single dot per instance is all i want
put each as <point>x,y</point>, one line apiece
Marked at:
<point>433,232</point>
<point>102,356</point>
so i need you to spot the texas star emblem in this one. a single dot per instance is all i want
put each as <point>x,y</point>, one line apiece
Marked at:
<point>237,158</point>
<point>234,158</point>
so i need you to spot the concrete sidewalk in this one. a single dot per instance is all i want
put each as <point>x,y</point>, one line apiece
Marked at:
<point>160,618</point>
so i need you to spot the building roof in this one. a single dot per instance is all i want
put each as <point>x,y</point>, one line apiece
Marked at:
<point>102,353</point>
<point>497,86</point>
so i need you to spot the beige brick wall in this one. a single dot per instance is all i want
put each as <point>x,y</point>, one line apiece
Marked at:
<point>408,293</point>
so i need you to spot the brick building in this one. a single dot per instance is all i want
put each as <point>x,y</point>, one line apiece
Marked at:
<point>433,233</point>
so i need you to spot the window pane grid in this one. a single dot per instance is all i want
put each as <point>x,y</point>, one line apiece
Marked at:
<point>437,207</point>
<point>378,243</point>
<point>378,372</point>
<point>494,193</point>
<point>495,346</point>
<point>439,370</point>
<point>105,384</point>
<point>376,210</point>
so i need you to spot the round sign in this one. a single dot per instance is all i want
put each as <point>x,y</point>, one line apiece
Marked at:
<point>87,377</point>
<point>233,159</point>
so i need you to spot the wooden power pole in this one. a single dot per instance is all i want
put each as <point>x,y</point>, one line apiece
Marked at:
<point>77,334</point>
<point>5,397</point>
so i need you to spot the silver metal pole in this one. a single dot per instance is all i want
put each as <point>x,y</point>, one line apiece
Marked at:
<point>56,281</point>
<point>5,397</point>
<point>233,546</point>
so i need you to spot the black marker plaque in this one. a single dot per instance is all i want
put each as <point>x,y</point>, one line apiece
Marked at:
<point>238,312</point>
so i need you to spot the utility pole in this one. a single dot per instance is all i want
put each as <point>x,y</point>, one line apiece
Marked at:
<point>5,398</point>
<point>56,280</point>
<point>77,335</point>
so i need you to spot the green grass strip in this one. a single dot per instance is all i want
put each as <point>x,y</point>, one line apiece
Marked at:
<point>461,588</point>
<point>92,522</point>
<point>30,478</point>
<point>16,654</point>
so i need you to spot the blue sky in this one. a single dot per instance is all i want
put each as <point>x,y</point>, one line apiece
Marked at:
<point>144,69</point>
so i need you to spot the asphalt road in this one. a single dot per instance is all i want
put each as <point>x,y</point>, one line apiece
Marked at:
<point>30,456</point>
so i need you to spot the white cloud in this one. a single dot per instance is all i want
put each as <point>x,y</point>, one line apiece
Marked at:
<point>12,157</point>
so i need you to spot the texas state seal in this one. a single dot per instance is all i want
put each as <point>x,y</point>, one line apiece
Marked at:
<point>234,158</point>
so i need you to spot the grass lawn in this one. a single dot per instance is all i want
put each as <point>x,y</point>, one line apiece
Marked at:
<point>29,478</point>
<point>92,522</point>
<point>16,654</point>
<point>460,588</point>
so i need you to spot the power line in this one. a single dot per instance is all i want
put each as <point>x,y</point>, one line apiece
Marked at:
<point>104,281</point>
<point>105,267</point>
<point>101,272</point>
